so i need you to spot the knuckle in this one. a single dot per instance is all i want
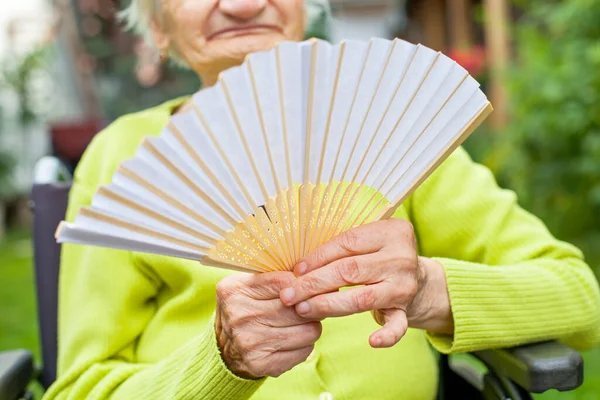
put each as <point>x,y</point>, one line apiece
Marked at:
<point>224,288</point>
<point>321,305</point>
<point>402,227</point>
<point>229,286</point>
<point>236,318</point>
<point>319,257</point>
<point>365,300</point>
<point>350,271</point>
<point>246,342</point>
<point>349,240</point>
<point>256,366</point>
<point>309,284</point>
<point>406,291</point>
<point>401,224</point>
<point>411,288</point>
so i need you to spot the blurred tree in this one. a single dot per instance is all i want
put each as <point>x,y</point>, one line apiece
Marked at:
<point>128,73</point>
<point>16,74</point>
<point>550,152</point>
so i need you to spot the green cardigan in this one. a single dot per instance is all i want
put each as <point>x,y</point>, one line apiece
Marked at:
<point>141,326</point>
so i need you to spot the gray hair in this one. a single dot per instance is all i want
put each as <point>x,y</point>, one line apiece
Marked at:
<point>138,17</point>
<point>139,14</point>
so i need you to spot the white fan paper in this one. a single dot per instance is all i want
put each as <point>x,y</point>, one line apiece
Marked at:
<point>286,151</point>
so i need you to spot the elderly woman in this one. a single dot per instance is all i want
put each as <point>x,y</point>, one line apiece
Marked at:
<point>460,268</point>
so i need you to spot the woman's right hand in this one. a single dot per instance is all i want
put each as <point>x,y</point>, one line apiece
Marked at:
<point>258,335</point>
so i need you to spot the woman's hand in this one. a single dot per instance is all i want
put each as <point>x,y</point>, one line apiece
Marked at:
<point>399,287</point>
<point>257,334</point>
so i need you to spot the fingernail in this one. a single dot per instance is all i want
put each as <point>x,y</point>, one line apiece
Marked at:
<point>301,268</point>
<point>287,295</point>
<point>377,341</point>
<point>303,308</point>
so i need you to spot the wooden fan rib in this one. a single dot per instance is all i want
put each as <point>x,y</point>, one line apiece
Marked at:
<point>400,82</point>
<point>294,211</point>
<point>262,126</point>
<point>266,225</point>
<point>294,243</point>
<point>450,96</point>
<point>288,161</point>
<point>345,130</point>
<point>376,90</point>
<point>339,226</point>
<point>287,237</point>
<point>188,148</point>
<point>226,159</point>
<point>337,220</point>
<point>256,230</point>
<point>242,138</point>
<point>168,199</point>
<point>453,145</point>
<point>275,218</point>
<point>256,244</point>
<point>341,222</point>
<point>106,192</point>
<point>244,247</point>
<point>286,221</point>
<point>381,120</point>
<point>314,236</point>
<point>309,110</point>
<point>409,149</point>
<point>351,110</point>
<point>99,216</point>
<point>187,181</point>
<point>224,156</point>
<point>332,99</point>
<point>231,248</point>
<point>213,261</point>
<point>390,135</point>
<point>305,198</point>
<point>368,111</point>
<point>70,233</point>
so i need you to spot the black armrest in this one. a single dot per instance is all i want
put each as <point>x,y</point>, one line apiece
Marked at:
<point>16,371</point>
<point>537,367</point>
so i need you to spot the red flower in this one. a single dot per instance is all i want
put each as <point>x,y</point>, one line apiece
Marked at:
<point>472,59</point>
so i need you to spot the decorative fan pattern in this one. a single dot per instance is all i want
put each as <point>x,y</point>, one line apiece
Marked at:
<point>286,151</point>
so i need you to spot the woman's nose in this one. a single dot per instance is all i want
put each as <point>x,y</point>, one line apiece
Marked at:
<point>242,9</point>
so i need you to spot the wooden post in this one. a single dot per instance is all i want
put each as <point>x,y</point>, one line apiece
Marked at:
<point>497,54</point>
<point>460,23</point>
<point>431,16</point>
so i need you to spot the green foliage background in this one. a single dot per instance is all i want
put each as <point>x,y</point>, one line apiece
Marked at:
<point>550,152</point>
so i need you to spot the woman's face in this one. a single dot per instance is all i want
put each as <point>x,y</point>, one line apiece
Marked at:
<point>213,35</point>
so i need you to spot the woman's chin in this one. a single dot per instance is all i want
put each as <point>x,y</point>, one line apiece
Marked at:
<point>221,54</point>
<point>243,45</point>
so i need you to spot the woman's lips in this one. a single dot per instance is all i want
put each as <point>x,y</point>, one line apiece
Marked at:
<point>243,30</point>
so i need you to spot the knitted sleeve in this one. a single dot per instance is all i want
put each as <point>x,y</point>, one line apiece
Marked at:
<point>106,300</point>
<point>510,281</point>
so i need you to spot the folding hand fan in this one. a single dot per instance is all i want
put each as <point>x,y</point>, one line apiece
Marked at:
<point>286,151</point>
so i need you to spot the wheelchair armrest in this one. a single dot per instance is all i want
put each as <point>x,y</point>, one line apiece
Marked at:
<point>537,367</point>
<point>16,371</point>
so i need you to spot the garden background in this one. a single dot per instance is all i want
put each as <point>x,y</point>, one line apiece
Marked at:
<point>67,69</point>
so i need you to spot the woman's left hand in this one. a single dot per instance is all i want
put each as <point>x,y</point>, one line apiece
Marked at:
<point>399,287</point>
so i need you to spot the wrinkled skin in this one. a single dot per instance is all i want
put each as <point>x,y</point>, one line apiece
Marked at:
<point>259,335</point>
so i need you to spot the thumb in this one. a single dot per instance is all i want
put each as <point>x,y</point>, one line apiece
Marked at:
<point>395,324</point>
